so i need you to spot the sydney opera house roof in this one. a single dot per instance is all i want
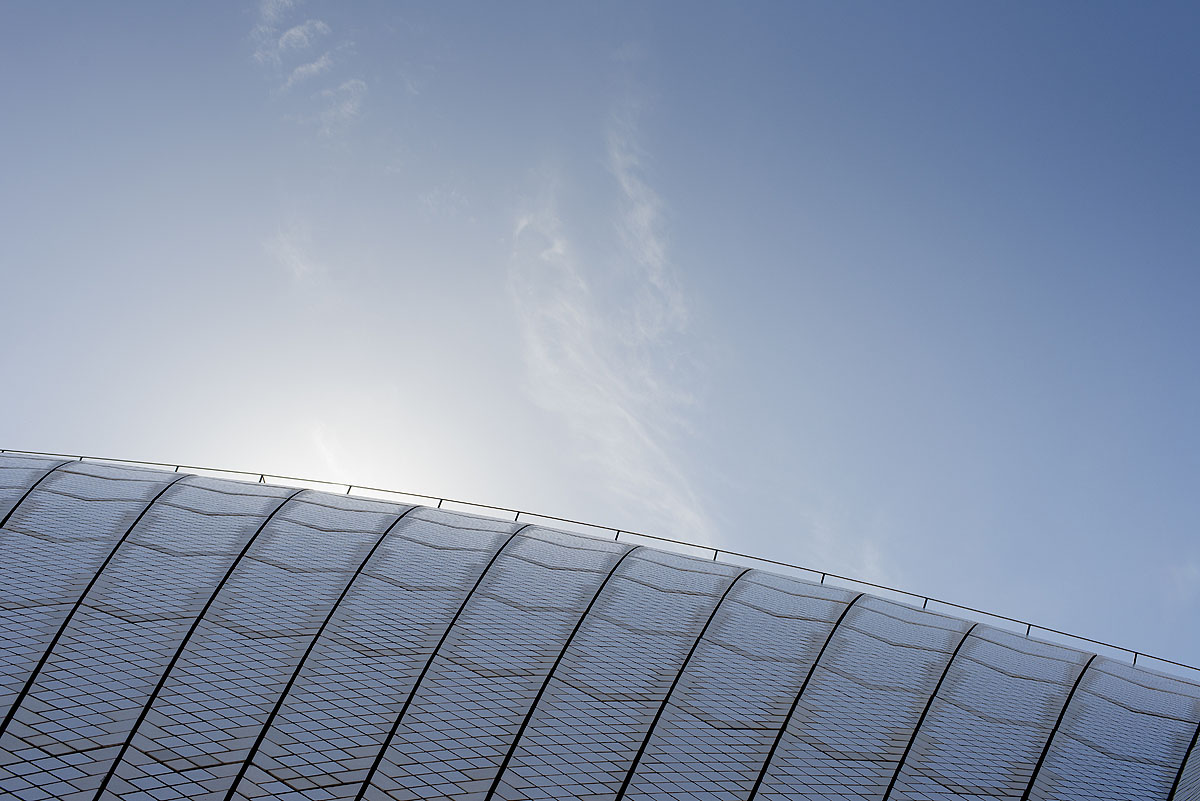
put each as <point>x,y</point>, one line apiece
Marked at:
<point>175,636</point>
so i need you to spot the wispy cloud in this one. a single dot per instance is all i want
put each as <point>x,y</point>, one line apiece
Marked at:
<point>284,48</point>
<point>266,30</point>
<point>291,248</point>
<point>826,543</point>
<point>445,201</point>
<point>343,105</point>
<point>272,47</point>
<point>661,305</point>
<point>1184,579</point>
<point>326,443</point>
<point>270,11</point>
<point>601,345</point>
<point>300,37</point>
<point>309,70</point>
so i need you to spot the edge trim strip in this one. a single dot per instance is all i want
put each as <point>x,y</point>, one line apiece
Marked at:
<point>762,774</point>
<point>1183,765</point>
<point>162,680</point>
<point>550,675</point>
<point>1050,740</point>
<point>262,734</point>
<point>667,698</point>
<point>37,670</point>
<point>925,711</point>
<point>32,487</point>
<point>387,741</point>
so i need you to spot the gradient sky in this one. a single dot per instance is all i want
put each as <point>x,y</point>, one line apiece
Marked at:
<point>909,291</point>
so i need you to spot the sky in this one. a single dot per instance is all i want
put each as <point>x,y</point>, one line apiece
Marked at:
<point>908,292</point>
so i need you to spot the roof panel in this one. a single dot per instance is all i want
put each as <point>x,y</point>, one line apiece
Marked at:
<point>214,639</point>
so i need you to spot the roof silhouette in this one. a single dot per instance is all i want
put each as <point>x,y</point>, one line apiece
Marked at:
<point>168,635</point>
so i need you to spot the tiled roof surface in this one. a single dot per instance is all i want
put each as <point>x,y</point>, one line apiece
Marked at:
<point>169,636</point>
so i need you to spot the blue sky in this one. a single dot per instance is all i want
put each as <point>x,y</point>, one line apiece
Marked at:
<point>905,291</point>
